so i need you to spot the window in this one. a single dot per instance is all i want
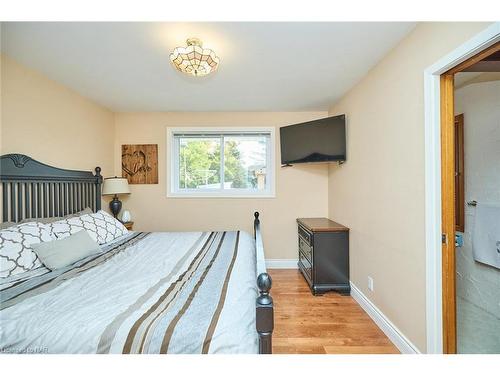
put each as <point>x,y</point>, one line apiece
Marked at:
<point>230,162</point>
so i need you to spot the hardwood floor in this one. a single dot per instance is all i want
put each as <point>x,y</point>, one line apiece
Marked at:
<point>328,324</point>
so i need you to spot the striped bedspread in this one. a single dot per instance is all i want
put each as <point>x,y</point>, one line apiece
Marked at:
<point>145,293</point>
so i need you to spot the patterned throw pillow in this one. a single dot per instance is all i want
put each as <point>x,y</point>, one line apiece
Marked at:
<point>101,226</point>
<point>16,254</point>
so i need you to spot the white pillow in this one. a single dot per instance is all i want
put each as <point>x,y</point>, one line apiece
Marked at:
<point>16,254</point>
<point>101,226</point>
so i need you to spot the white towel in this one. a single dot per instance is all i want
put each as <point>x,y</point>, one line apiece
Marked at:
<point>486,235</point>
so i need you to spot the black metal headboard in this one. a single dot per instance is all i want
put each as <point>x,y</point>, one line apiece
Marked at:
<point>31,189</point>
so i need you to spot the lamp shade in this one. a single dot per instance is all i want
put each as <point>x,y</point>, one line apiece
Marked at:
<point>115,185</point>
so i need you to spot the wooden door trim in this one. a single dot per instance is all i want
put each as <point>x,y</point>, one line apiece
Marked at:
<point>474,59</point>
<point>448,212</point>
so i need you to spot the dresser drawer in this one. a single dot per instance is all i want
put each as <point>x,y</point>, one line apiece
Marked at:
<point>306,249</point>
<point>306,235</point>
<point>305,266</point>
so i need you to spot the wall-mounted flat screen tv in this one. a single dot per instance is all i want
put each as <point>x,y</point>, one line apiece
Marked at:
<point>315,141</point>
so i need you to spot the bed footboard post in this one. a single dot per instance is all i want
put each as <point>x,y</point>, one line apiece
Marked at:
<point>98,183</point>
<point>264,314</point>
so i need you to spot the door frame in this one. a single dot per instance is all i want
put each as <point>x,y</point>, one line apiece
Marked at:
<point>433,209</point>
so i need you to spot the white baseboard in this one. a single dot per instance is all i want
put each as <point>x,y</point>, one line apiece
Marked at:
<point>404,345</point>
<point>281,263</point>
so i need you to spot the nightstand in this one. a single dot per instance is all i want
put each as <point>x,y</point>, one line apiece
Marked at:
<point>129,225</point>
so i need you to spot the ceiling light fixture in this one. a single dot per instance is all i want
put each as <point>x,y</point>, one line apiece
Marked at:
<point>194,59</point>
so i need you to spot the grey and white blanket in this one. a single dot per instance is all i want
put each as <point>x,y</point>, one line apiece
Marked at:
<point>144,293</point>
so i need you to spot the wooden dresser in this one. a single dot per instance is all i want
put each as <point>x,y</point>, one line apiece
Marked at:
<point>324,255</point>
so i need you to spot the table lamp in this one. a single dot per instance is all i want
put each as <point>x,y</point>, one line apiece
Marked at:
<point>115,186</point>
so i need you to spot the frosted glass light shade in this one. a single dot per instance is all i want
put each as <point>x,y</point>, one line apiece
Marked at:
<point>194,59</point>
<point>115,185</point>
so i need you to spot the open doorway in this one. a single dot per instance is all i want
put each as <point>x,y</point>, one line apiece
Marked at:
<point>470,126</point>
<point>477,197</point>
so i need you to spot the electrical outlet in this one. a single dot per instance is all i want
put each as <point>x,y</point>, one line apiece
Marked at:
<point>370,283</point>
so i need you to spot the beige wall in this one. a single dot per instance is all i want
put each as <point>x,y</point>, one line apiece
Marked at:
<point>300,190</point>
<point>51,123</point>
<point>379,191</point>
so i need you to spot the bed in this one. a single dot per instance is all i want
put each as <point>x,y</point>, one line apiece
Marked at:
<point>151,293</point>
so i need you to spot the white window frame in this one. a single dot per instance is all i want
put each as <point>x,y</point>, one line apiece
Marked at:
<point>172,155</point>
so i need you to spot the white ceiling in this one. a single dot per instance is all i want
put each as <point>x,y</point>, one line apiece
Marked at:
<point>264,66</point>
